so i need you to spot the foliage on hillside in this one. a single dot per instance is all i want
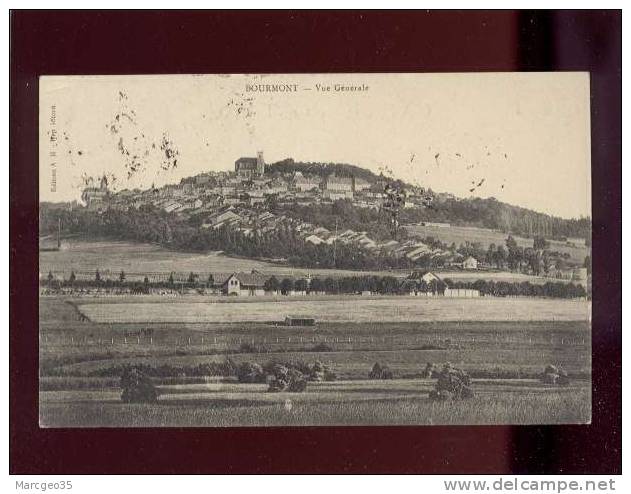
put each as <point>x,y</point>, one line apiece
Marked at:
<point>493,214</point>
<point>149,224</point>
<point>483,213</point>
<point>321,169</point>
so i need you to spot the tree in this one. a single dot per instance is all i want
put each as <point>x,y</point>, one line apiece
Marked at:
<point>547,261</point>
<point>587,263</point>
<point>316,285</point>
<point>146,281</point>
<point>388,284</point>
<point>331,285</point>
<point>540,243</point>
<point>271,202</point>
<point>490,255</point>
<point>511,243</point>
<point>301,285</point>
<point>271,284</point>
<point>121,277</point>
<point>211,281</point>
<point>287,285</point>
<point>500,257</point>
<point>137,387</point>
<point>97,276</point>
<point>432,286</point>
<point>171,280</point>
<point>167,235</point>
<point>72,278</point>
<point>534,260</point>
<point>192,278</point>
<point>560,264</point>
<point>515,258</point>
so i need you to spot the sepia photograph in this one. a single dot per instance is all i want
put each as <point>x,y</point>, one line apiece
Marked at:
<point>265,250</point>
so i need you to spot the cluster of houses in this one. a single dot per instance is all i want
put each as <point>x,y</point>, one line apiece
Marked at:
<point>248,186</point>
<point>247,221</point>
<point>237,199</point>
<point>233,199</point>
<point>414,250</point>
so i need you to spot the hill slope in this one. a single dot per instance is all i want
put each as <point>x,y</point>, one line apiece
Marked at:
<point>482,213</point>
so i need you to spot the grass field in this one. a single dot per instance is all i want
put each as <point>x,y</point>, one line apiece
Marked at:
<point>399,402</point>
<point>72,347</point>
<point>110,257</point>
<point>137,259</point>
<point>72,351</point>
<point>461,234</point>
<point>342,309</point>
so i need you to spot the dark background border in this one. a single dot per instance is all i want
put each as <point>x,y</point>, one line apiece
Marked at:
<point>110,42</point>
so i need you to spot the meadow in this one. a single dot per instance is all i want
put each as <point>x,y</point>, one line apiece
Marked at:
<point>343,309</point>
<point>136,259</point>
<point>461,234</point>
<point>71,347</point>
<point>399,402</point>
<point>85,256</point>
<point>503,357</point>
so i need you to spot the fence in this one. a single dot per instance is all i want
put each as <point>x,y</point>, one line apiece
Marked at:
<point>307,342</point>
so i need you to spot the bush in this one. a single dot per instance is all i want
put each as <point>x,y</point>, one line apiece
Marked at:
<point>555,375</point>
<point>249,372</point>
<point>321,372</point>
<point>429,371</point>
<point>226,368</point>
<point>287,379</point>
<point>551,369</point>
<point>248,348</point>
<point>321,347</point>
<point>453,384</point>
<point>443,395</point>
<point>380,372</point>
<point>137,387</point>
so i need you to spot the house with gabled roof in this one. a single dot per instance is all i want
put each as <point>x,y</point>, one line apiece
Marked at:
<point>426,276</point>
<point>242,284</point>
<point>314,239</point>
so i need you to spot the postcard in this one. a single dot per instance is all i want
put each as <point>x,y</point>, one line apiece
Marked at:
<point>315,249</point>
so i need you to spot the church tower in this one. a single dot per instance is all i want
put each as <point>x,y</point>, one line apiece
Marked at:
<point>260,164</point>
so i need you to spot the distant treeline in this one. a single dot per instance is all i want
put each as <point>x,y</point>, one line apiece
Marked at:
<point>384,285</point>
<point>493,214</point>
<point>550,289</point>
<point>321,169</point>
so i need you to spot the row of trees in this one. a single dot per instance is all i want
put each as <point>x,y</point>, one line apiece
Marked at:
<point>193,280</point>
<point>345,285</point>
<point>550,289</point>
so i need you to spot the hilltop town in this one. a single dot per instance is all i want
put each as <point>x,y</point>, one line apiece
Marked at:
<point>330,206</point>
<point>244,200</point>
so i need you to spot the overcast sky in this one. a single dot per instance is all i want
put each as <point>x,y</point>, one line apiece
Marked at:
<point>522,138</point>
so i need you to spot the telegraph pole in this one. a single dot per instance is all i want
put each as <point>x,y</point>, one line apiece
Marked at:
<point>58,233</point>
<point>393,202</point>
<point>335,246</point>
